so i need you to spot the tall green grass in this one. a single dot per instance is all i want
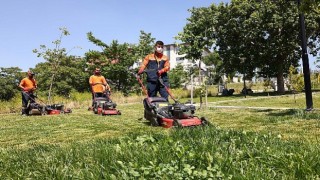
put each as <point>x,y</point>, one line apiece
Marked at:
<point>241,144</point>
<point>198,153</point>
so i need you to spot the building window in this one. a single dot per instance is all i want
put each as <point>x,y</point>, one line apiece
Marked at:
<point>177,49</point>
<point>168,51</point>
<point>179,59</point>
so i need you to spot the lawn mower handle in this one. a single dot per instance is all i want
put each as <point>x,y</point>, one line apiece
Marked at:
<point>161,82</point>
<point>137,76</point>
<point>167,89</point>
<point>107,92</point>
<point>141,84</point>
<point>34,98</point>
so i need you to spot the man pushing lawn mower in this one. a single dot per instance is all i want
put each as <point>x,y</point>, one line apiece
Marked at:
<point>101,102</point>
<point>157,109</point>
<point>29,104</point>
<point>98,84</point>
<point>160,65</point>
<point>28,85</point>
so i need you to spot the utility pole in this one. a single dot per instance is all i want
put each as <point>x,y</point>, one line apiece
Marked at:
<point>244,90</point>
<point>191,77</point>
<point>305,61</point>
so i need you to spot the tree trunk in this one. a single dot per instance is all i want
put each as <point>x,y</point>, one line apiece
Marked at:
<point>50,88</point>
<point>280,82</point>
<point>200,83</point>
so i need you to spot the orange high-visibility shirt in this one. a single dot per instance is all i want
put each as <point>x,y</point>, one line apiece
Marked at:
<point>97,83</point>
<point>153,58</point>
<point>28,84</point>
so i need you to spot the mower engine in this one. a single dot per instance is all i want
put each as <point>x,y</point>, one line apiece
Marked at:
<point>160,113</point>
<point>154,107</point>
<point>104,106</point>
<point>109,105</point>
<point>109,108</point>
<point>182,111</point>
<point>98,104</point>
<point>36,109</point>
<point>59,107</point>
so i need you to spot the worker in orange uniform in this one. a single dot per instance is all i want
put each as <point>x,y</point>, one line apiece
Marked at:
<point>28,86</point>
<point>157,65</point>
<point>98,84</point>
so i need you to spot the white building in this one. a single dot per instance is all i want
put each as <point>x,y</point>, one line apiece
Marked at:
<point>172,51</point>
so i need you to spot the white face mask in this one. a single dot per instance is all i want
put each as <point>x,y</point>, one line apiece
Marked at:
<point>159,50</point>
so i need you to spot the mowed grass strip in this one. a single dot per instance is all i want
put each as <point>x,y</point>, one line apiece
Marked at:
<point>297,101</point>
<point>293,124</point>
<point>80,125</point>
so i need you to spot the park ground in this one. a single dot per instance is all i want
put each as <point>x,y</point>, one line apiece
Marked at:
<point>255,137</point>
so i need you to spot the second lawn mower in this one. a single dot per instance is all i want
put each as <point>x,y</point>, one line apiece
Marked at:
<point>103,105</point>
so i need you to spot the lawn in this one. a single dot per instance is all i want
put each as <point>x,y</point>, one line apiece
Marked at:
<point>242,143</point>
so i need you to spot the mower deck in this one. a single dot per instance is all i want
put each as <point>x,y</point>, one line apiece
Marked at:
<point>104,106</point>
<point>55,109</point>
<point>160,113</point>
<point>192,121</point>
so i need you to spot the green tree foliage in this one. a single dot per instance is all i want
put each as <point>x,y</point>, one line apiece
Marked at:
<point>60,73</point>
<point>145,46</point>
<point>177,76</point>
<point>215,68</point>
<point>115,60</point>
<point>70,76</point>
<point>296,82</point>
<point>197,34</point>
<point>258,34</point>
<point>254,34</point>
<point>9,80</point>
<point>118,72</point>
<point>310,6</point>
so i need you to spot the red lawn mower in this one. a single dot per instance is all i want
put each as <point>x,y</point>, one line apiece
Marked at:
<point>41,108</point>
<point>160,112</point>
<point>103,105</point>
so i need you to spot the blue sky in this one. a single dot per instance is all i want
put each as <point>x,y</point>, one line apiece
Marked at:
<point>25,25</point>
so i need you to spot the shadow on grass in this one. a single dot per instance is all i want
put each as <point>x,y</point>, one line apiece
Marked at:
<point>263,94</point>
<point>264,110</point>
<point>289,112</point>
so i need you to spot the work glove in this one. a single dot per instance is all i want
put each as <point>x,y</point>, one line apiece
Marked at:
<point>107,92</point>
<point>140,71</point>
<point>160,72</point>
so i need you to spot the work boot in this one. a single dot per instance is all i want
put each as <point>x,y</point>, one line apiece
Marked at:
<point>24,111</point>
